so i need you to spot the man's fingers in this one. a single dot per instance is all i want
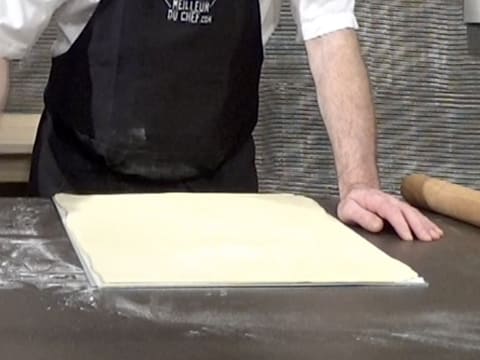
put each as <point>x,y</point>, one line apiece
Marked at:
<point>423,228</point>
<point>351,212</point>
<point>391,212</point>
<point>369,208</point>
<point>420,228</point>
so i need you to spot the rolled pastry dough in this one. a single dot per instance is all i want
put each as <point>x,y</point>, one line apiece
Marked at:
<point>185,239</point>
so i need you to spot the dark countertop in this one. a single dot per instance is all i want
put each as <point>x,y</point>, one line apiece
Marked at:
<point>48,312</point>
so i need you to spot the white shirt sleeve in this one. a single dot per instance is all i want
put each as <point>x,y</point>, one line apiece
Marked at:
<point>21,24</point>
<point>270,12</point>
<point>319,17</point>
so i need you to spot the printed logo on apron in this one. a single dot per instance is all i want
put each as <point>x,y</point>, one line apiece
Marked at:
<point>190,11</point>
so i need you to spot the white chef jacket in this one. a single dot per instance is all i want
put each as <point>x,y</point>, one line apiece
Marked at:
<point>23,21</point>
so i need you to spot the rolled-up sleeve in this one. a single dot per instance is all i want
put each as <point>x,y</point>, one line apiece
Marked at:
<point>319,17</point>
<point>21,24</point>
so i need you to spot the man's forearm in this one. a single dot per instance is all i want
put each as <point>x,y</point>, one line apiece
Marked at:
<point>4,76</point>
<point>346,104</point>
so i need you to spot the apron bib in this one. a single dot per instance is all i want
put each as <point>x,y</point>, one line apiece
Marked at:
<point>160,89</point>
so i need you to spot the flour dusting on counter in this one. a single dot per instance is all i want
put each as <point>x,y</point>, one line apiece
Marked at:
<point>448,330</point>
<point>29,259</point>
<point>36,262</point>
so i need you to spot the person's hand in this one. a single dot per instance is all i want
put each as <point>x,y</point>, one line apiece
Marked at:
<point>370,207</point>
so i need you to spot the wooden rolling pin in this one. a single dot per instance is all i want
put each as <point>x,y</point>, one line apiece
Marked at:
<point>443,197</point>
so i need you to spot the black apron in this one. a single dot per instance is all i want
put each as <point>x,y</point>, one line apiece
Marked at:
<point>155,95</point>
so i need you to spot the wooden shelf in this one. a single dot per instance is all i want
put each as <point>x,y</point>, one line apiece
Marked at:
<point>14,168</point>
<point>17,134</point>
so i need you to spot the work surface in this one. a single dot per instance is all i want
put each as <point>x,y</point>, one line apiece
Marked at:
<point>48,312</point>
